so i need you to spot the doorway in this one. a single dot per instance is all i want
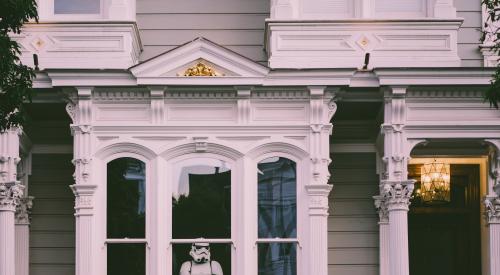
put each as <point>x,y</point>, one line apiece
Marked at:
<point>445,239</point>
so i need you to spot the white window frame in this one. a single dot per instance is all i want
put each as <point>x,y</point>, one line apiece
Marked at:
<point>244,210</point>
<point>361,9</point>
<point>46,10</point>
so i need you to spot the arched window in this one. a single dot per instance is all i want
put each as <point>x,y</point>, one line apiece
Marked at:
<point>277,217</point>
<point>126,217</point>
<point>201,217</point>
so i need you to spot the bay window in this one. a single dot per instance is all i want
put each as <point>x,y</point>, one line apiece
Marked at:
<point>200,204</point>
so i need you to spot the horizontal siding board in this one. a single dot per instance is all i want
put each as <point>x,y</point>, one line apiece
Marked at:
<point>354,191</point>
<point>202,22</point>
<point>253,52</point>
<point>51,269</point>
<point>52,239</point>
<point>353,207</point>
<point>223,37</point>
<point>468,5</point>
<point>472,63</point>
<point>469,51</point>
<point>353,270</point>
<point>472,19</point>
<point>41,239</point>
<point>52,255</point>
<point>353,256</point>
<point>353,239</point>
<point>197,6</point>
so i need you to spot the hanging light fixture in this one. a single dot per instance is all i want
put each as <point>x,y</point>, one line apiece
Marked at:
<point>435,183</point>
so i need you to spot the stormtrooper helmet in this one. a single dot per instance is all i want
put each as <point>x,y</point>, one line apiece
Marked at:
<point>200,252</point>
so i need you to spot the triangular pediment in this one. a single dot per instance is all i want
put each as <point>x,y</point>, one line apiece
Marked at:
<point>199,62</point>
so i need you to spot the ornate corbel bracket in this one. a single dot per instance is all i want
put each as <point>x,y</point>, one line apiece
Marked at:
<point>382,209</point>
<point>492,205</point>
<point>23,210</point>
<point>84,199</point>
<point>318,198</point>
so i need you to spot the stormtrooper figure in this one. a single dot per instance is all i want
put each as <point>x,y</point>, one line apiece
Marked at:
<point>200,263</point>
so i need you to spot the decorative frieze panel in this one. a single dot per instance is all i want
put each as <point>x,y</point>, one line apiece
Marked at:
<point>81,46</point>
<point>344,45</point>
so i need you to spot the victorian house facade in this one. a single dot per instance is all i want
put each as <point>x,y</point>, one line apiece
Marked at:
<point>289,136</point>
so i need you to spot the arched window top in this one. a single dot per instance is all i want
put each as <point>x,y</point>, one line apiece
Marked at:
<point>126,198</point>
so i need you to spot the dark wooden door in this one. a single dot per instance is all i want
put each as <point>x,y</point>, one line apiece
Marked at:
<point>445,239</point>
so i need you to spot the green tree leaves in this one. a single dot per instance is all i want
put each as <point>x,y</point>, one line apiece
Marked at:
<point>491,36</point>
<point>15,78</point>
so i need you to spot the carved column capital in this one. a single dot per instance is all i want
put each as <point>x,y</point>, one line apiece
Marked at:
<point>382,209</point>
<point>318,199</point>
<point>23,210</point>
<point>10,194</point>
<point>84,199</point>
<point>397,194</point>
<point>492,205</point>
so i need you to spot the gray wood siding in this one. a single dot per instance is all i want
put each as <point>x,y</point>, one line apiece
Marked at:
<point>235,24</point>
<point>353,222</point>
<point>52,239</point>
<point>469,34</point>
<point>239,25</point>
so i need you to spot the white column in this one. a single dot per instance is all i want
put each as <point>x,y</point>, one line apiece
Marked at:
<point>23,211</point>
<point>80,110</point>
<point>381,206</point>
<point>492,206</point>
<point>322,109</point>
<point>493,220</point>
<point>397,195</point>
<point>10,193</point>
<point>395,188</point>
<point>444,9</point>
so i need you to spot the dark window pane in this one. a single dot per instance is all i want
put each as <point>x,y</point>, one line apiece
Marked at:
<point>201,258</point>
<point>201,202</point>
<point>277,198</point>
<point>277,259</point>
<point>77,6</point>
<point>126,198</point>
<point>129,259</point>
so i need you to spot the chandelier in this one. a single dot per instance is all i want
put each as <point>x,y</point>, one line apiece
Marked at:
<point>435,183</point>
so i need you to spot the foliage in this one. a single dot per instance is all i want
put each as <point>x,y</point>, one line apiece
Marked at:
<point>491,36</point>
<point>15,78</point>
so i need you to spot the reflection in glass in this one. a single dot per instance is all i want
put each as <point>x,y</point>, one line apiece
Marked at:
<point>202,259</point>
<point>277,198</point>
<point>127,259</point>
<point>277,259</point>
<point>77,6</point>
<point>201,202</point>
<point>126,198</point>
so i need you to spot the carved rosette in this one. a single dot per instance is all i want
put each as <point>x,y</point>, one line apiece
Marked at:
<point>318,199</point>
<point>84,199</point>
<point>23,210</point>
<point>382,209</point>
<point>397,194</point>
<point>492,205</point>
<point>10,194</point>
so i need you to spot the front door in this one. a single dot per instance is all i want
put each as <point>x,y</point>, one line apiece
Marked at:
<point>444,239</point>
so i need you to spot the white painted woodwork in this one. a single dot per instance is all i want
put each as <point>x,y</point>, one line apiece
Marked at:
<point>88,45</point>
<point>110,10</point>
<point>10,193</point>
<point>22,230</point>
<point>22,233</point>
<point>7,241</point>
<point>339,44</point>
